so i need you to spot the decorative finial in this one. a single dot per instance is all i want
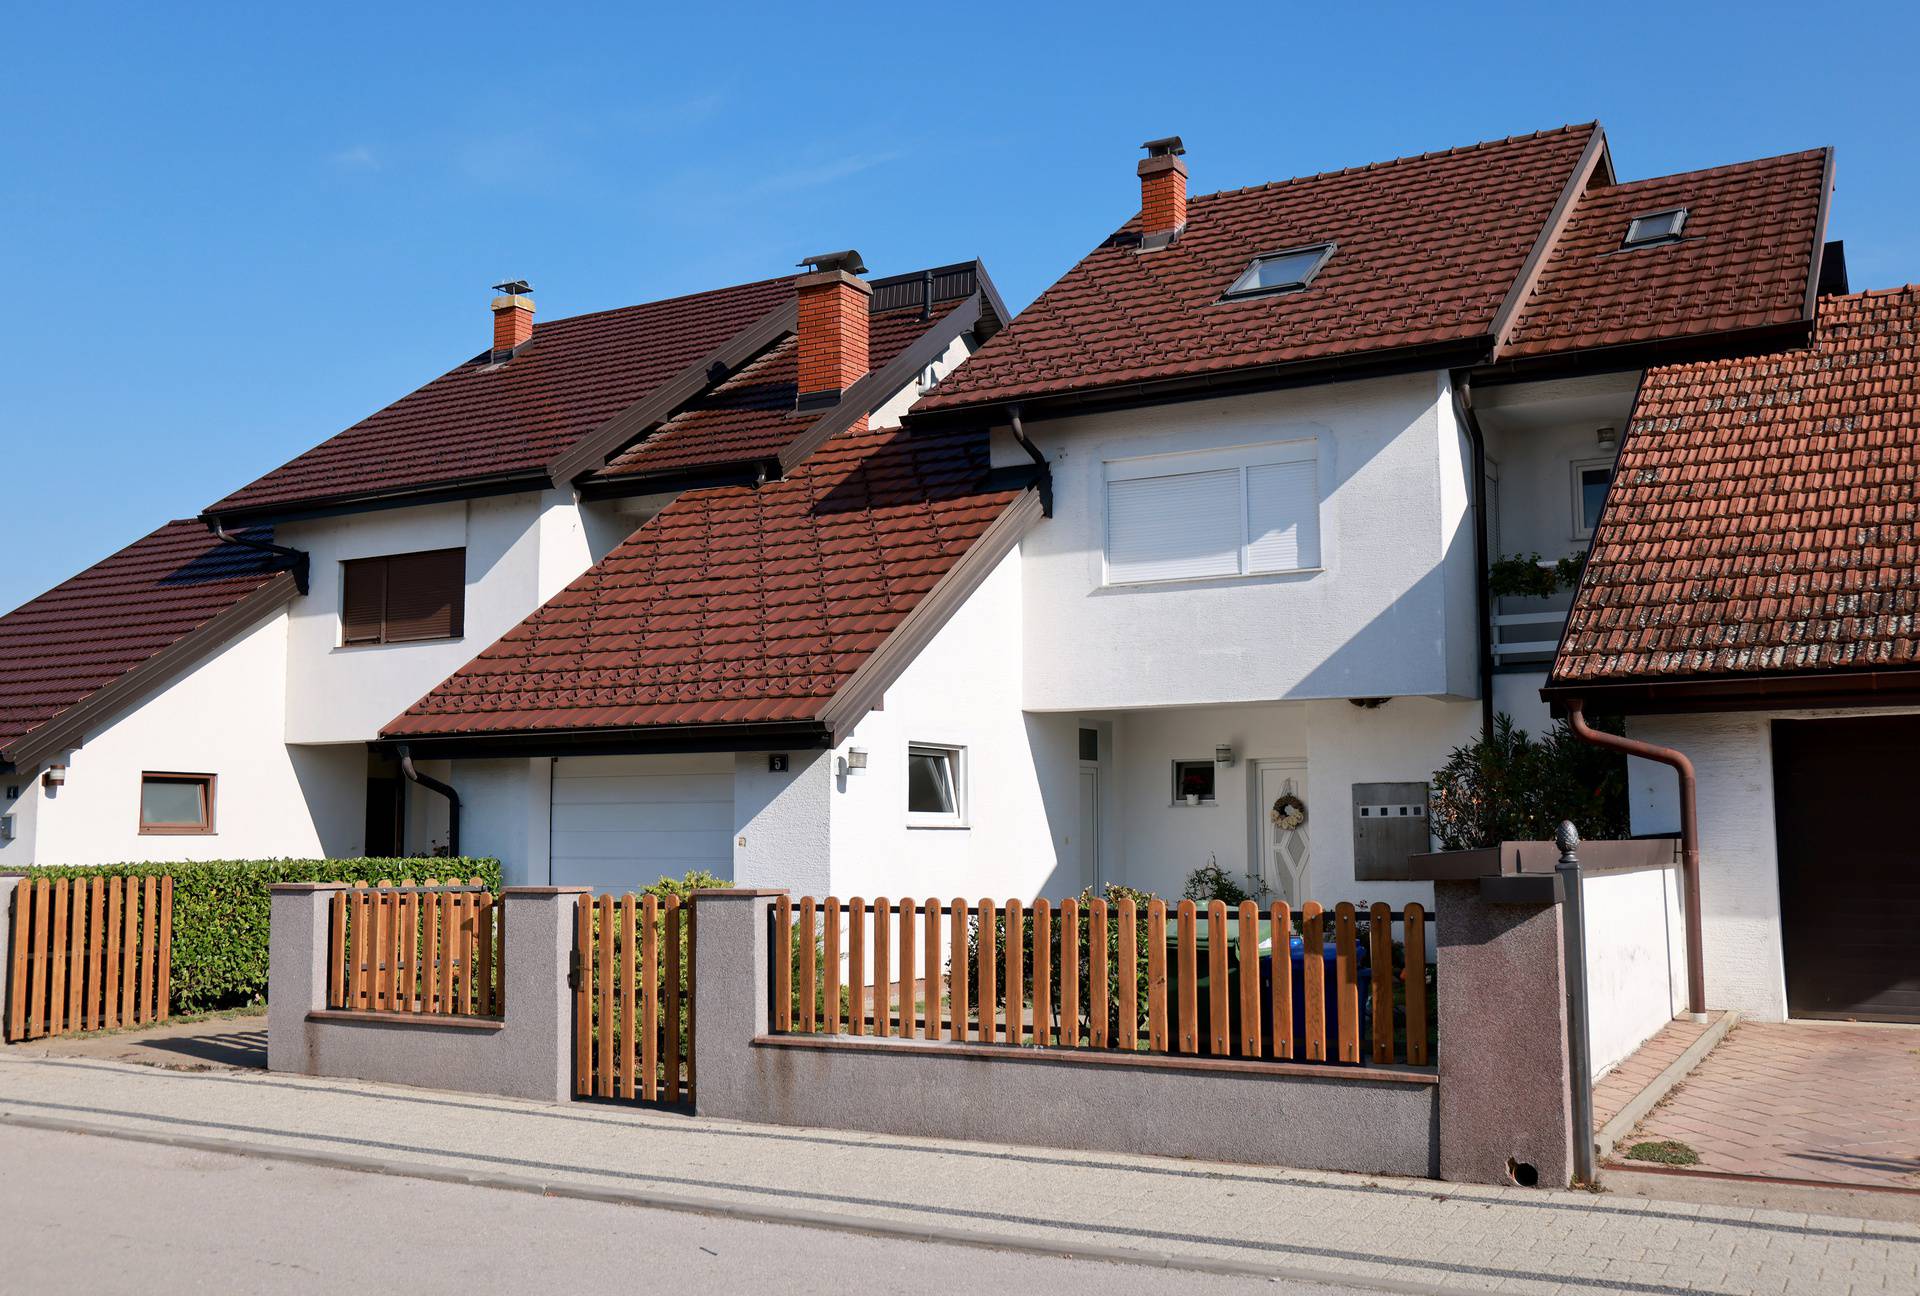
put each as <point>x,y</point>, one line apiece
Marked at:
<point>1567,837</point>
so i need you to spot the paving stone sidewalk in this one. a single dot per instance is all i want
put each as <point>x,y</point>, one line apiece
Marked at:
<point>1404,1234</point>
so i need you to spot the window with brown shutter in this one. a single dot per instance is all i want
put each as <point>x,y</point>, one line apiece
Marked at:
<point>404,598</point>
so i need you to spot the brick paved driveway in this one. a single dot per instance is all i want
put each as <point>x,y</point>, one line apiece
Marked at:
<point>1834,1103</point>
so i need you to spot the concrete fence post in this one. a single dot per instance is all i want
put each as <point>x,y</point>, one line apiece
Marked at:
<point>296,970</point>
<point>730,985</point>
<point>539,1002</point>
<point>1505,1098</point>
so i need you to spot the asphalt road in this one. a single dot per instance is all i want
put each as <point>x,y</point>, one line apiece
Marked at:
<point>87,1214</point>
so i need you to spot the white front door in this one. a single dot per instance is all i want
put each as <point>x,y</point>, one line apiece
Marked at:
<point>1089,825</point>
<point>623,822</point>
<point>1285,863</point>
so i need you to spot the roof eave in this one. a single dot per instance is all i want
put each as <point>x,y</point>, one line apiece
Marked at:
<point>663,739</point>
<point>1844,687</point>
<point>460,488</point>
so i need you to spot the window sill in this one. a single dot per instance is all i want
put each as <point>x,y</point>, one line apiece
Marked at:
<point>179,832</point>
<point>1175,582</point>
<point>398,643</point>
<point>1203,805</point>
<point>938,827</point>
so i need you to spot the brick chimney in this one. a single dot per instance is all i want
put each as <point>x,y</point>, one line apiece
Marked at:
<point>512,317</point>
<point>833,327</point>
<point>1163,188</point>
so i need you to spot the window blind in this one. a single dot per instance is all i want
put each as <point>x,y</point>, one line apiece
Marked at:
<point>1283,517</point>
<point>404,598</point>
<point>1174,528</point>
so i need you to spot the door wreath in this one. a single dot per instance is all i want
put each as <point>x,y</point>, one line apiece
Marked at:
<point>1289,812</point>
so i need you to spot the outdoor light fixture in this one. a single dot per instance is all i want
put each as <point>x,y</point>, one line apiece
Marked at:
<point>54,777</point>
<point>1607,438</point>
<point>854,762</point>
<point>1223,755</point>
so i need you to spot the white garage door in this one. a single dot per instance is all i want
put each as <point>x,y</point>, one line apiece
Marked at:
<point>622,822</point>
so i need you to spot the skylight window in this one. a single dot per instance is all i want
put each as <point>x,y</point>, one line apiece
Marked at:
<point>1656,227</point>
<point>1278,272</point>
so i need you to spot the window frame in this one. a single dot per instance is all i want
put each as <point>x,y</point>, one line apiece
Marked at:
<point>1241,459</point>
<point>956,757</point>
<point>1576,470</point>
<point>1673,235</point>
<point>206,827</point>
<point>458,618</point>
<point>1179,798</point>
<point>1325,250</point>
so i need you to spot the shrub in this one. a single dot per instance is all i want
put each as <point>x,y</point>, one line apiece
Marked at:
<point>1214,883</point>
<point>222,910</point>
<point>1509,787</point>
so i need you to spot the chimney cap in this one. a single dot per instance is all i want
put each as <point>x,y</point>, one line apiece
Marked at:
<point>849,261</point>
<point>1171,146</point>
<point>514,288</point>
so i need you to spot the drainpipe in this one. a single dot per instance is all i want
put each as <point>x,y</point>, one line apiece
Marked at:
<point>1033,453</point>
<point>1689,841</point>
<point>1482,592</point>
<point>296,558</point>
<point>445,790</point>
<point>1573,917</point>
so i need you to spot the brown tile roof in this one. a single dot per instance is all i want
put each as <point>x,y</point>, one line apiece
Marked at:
<point>1428,249</point>
<point>1745,259</point>
<point>481,420</point>
<point>89,632</point>
<point>1765,512</point>
<point>735,604</point>
<point>751,415</point>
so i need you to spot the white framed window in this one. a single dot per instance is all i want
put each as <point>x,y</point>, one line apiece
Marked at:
<point>1591,480</point>
<point>1249,511</point>
<point>1193,782</point>
<point>936,786</point>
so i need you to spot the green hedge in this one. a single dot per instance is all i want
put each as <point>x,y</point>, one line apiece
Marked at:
<point>222,908</point>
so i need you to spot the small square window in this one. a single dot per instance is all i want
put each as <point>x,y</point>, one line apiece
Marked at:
<point>936,788</point>
<point>1278,272</point>
<point>1590,484</point>
<point>176,803</point>
<point>1192,778</point>
<point>1089,744</point>
<point>1656,227</point>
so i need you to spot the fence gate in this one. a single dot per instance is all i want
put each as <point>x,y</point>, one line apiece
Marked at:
<point>89,954</point>
<point>632,980</point>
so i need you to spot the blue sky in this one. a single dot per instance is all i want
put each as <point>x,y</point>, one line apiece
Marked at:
<point>230,232</point>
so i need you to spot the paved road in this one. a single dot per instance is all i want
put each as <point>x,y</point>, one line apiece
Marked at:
<point>105,1215</point>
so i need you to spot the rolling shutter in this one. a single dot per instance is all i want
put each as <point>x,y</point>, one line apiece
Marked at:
<point>1283,517</point>
<point>404,598</point>
<point>1174,528</point>
<point>363,601</point>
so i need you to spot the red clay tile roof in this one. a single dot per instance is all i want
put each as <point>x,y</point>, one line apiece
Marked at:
<point>751,415</point>
<point>483,420</point>
<point>1745,258</point>
<point>1765,512</point>
<point>735,604</point>
<point>86,633</point>
<point>1428,249</point>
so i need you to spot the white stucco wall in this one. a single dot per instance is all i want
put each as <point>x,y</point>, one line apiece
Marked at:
<point>1636,960</point>
<point>220,718</point>
<point>505,806</point>
<point>783,823</point>
<point>1373,621</point>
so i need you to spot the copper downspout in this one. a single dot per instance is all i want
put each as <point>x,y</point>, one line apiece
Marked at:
<point>1689,840</point>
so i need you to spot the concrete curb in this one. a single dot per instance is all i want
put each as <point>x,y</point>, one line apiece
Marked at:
<point>697,1205</point>
<point>1647,1099</point>
<point>1704,1188</point>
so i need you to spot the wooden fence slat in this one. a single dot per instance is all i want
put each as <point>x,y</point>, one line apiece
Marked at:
<point>582,1002</point>
<point>605,1028</point>
<point>1346,980</point>
<point>630,1028</point>
<point>42,902</point>
<point>337,950</point>
<point>408,967</point>
<point>381,951</point>
<point>1070,973</point>
<point>1042,972</point>
<point>909,1011</point>
<point>1097,1001</point>
<point>831,961</point>
<point>1014,989</point>
<point>1415,937</point>
<point>882,967</point>
<point>1219,1004</point>
<point>166,946</point>
<point>1188,970</point>
<point>97,921</point>
<point>130,956</point>
<point>857,966</point>
<point>1249,979</point>
<point>649,1022</point>
<point>149,934</point>
<point>360,945</point>
<point>807,966</point>
<point>430,950</point>
<point>783,954</point>
<point>957,971</point>
<point>59,936</point>
<point>77,967</point>
<point>1280,1038</point>
<point>1380,952</point>
<point>931,952</point>
<point>985,992</point>
<point>450,941</point>
<point>1127,964</point>
<point>116,929</point>
<point>17,975</point>
<point>1313,977</point>
<point>1157,975</point>
<point>670,934</point>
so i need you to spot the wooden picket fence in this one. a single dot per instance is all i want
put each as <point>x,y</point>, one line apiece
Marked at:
<point>437,947</point>
<point>633,998</point>
<point>91,953</point>
<point>1186,980</point>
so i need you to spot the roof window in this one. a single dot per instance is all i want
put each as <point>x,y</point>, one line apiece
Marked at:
<point>1656,227</point>
<point>1278,272</point>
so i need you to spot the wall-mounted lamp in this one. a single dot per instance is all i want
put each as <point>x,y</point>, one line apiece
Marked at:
<point>1223,755</point>
<point>54,777</point>
<point>1607,438</point>
<point>854,762</point>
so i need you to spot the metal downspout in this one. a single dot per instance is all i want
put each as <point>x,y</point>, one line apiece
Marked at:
<point>1689,840</point>
<point>1033,453</point>
<point>445,790</point>
<point>1482,593</point>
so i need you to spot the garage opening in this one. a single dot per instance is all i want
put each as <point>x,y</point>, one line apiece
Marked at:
<point>623,822</point>
<point>1849,866</point>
